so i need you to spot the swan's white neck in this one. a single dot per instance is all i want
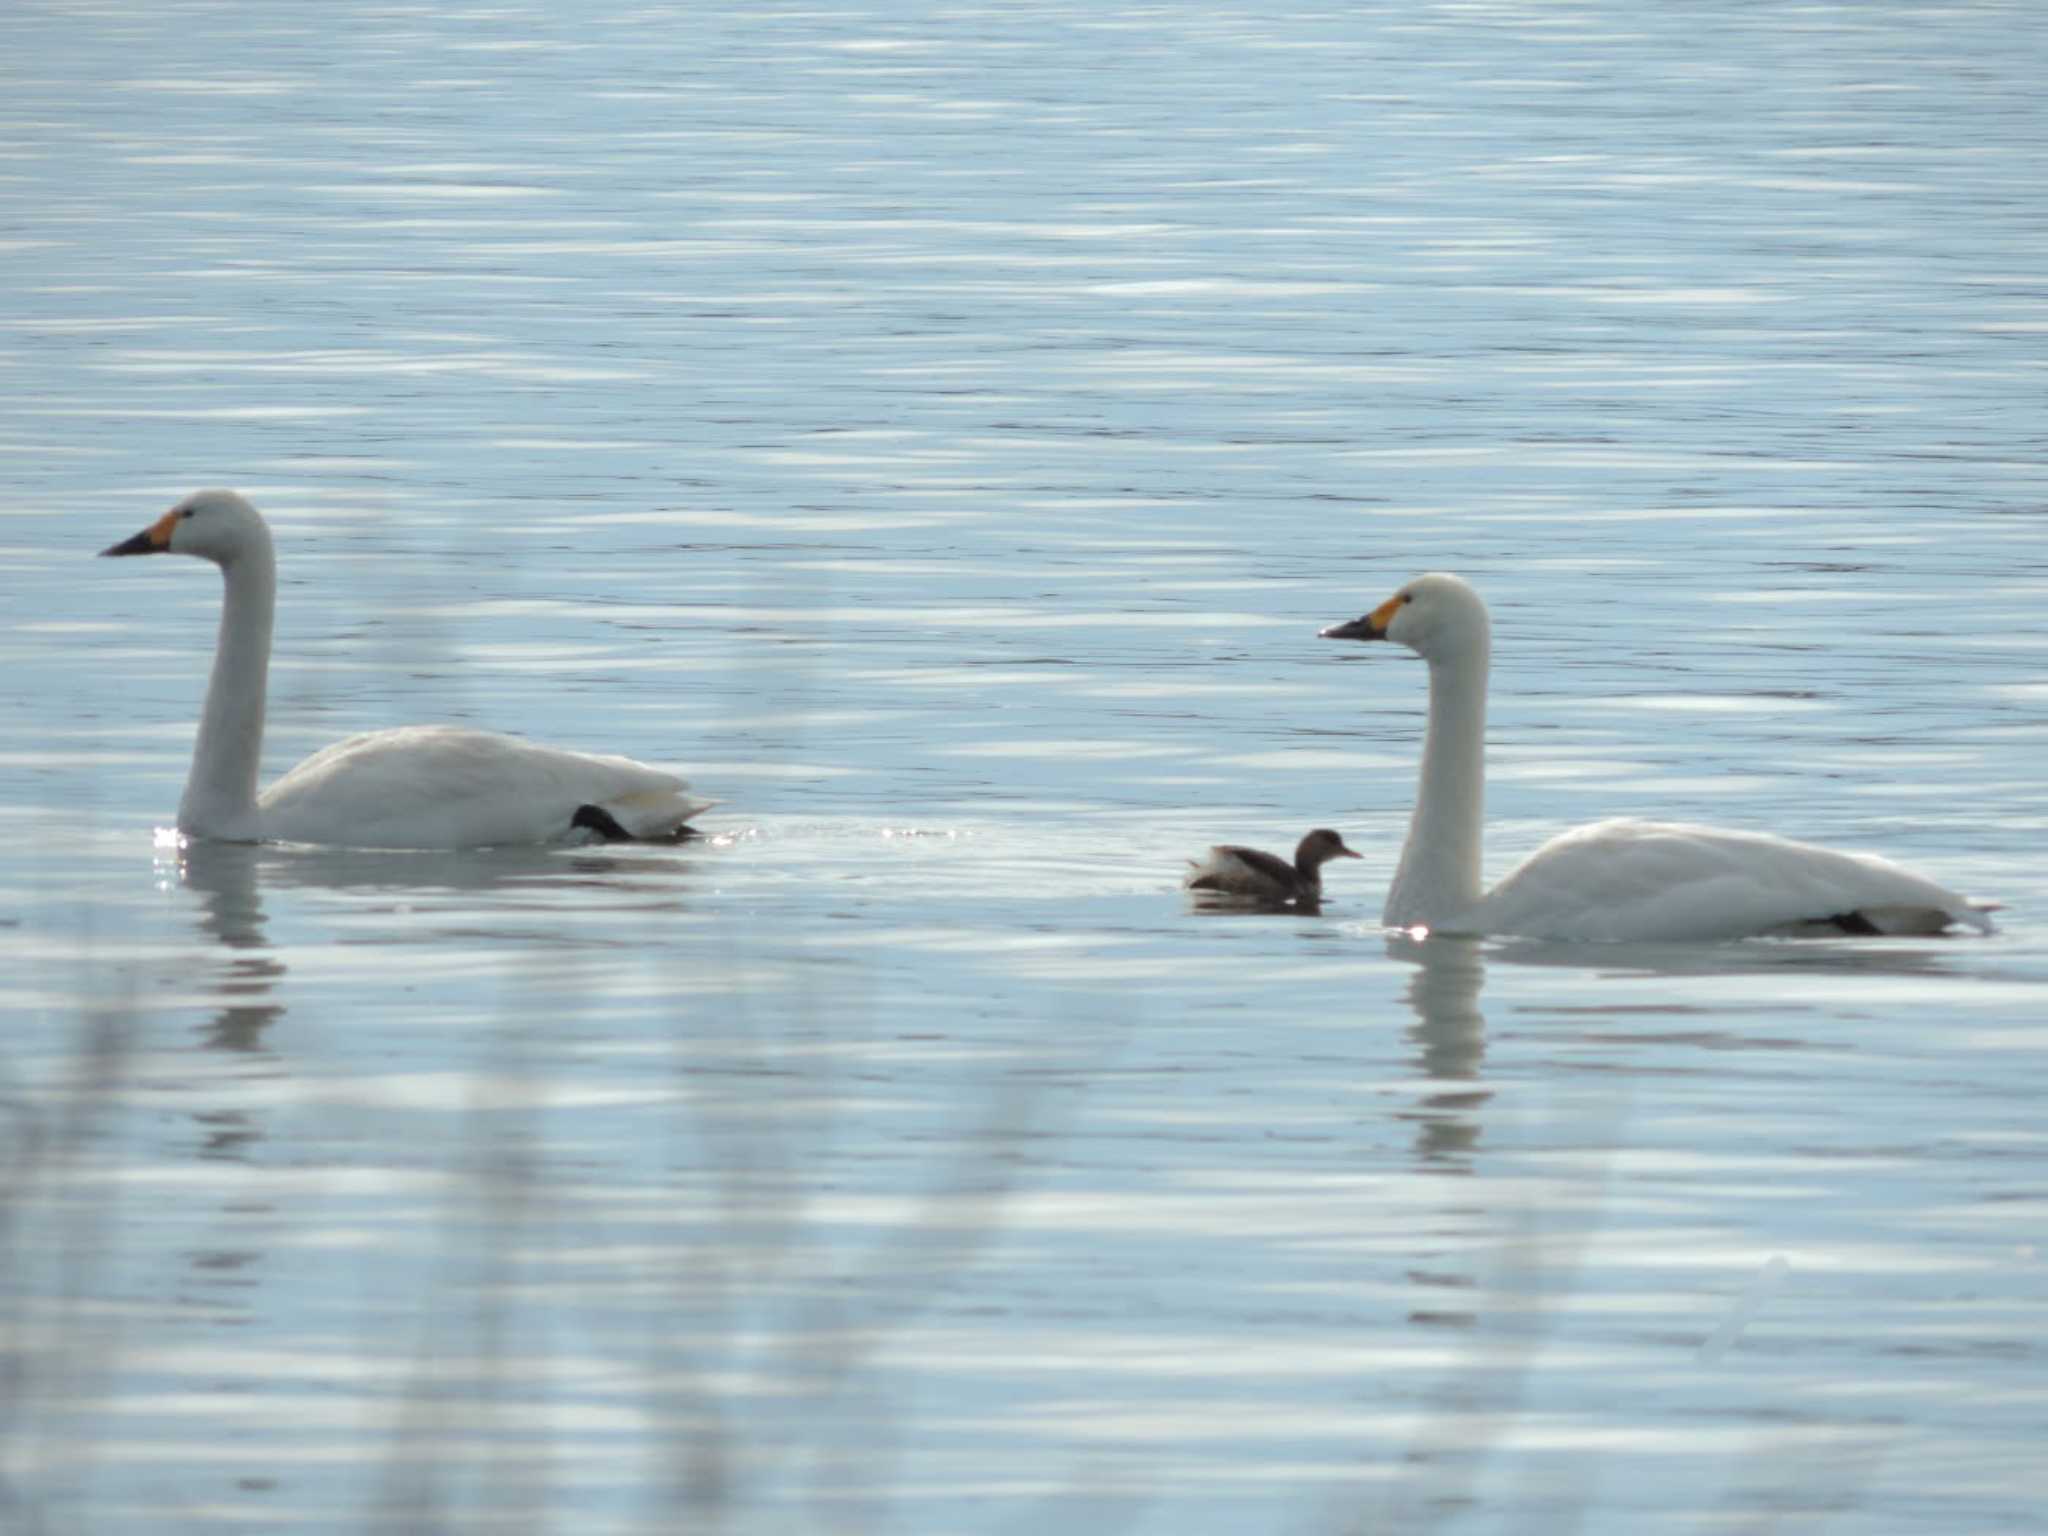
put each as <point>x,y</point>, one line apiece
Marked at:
<point>1438,878</point>
<point>220,795</point>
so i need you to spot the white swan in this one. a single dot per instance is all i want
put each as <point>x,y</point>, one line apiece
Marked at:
<point>1614,880</point>
<point>421,786</point>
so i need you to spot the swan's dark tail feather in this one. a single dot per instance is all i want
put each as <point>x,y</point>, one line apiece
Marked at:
<point>595,818</point>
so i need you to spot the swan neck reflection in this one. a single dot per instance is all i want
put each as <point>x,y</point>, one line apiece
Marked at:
<point>1449,1040</point>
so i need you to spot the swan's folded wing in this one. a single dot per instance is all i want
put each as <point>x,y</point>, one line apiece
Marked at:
<point>449,787</point>
<point>1619,881</point>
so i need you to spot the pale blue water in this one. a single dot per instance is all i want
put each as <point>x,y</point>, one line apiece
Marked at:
<point>942,431</point>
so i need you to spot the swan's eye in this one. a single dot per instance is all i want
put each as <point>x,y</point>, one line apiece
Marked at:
<point>187,512</point>
<point>1406,597</point>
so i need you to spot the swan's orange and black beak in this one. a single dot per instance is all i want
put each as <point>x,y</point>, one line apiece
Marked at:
<point>153,540</point>
<point>1371,626</point>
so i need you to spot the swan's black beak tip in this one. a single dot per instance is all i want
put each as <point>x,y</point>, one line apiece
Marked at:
<point>1352,629</point>
<point>141,544</point>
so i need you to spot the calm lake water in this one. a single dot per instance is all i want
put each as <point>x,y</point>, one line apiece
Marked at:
<point>942,431</point>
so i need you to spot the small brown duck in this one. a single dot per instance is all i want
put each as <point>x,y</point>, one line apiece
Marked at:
<point>1252,875</point>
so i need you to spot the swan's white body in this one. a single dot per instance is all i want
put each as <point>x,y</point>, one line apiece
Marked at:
<point>422,786</point>
<point>1620,881</point>
<point>1649,881</point>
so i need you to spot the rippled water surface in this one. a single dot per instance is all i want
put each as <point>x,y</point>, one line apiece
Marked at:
<point>942,431</point>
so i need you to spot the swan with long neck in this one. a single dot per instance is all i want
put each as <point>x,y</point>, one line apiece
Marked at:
<point>1613,880</point>
<point>433,786</point>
